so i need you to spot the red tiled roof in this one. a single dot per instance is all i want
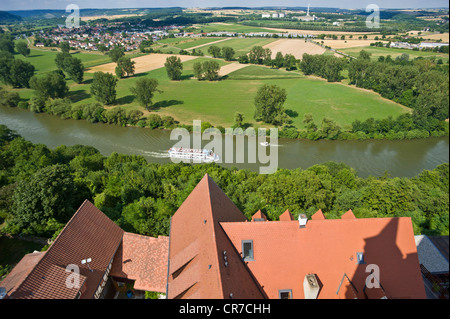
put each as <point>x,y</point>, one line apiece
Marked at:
<point>199,270</point>
<point>88,234</point>
<point>286,216</point>
<point>318,215</point>
<point>143,259</point>
<point>348,215</point>
<point>284,253</point>
<point>259,215</point>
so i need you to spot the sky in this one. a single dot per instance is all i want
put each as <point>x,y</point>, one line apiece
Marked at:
<point>343,4</point>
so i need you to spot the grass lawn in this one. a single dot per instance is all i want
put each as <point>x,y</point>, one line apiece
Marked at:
<point>44,60</point>
<point>217,102</point>
<point>394,52</point>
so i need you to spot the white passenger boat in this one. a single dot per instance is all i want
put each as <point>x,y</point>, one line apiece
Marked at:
<point>203,155</point>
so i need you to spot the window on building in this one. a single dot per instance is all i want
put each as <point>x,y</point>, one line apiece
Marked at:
<point>247,250</point>
<point>285,294</point>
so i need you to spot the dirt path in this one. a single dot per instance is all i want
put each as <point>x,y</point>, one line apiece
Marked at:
<point>206,44</point>
<point>227,69</point>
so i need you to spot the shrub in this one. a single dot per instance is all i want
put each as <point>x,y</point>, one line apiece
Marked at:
<point>154,121</point>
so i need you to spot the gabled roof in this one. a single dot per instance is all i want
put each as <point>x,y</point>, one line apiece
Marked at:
<point>286,216</point>
<point>203,263</point>
<point>318,215</point>
<point>88,234</point>
<point>258,216</point>
<point>348,215</point>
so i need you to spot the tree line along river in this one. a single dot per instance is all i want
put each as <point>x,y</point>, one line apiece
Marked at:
<point>404,158</point>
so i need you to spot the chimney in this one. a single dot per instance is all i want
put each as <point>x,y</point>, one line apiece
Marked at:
<point>311,286</point>
<point>302,219</point>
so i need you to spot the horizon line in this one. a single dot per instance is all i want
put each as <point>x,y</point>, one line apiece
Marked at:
<point>216,7</point>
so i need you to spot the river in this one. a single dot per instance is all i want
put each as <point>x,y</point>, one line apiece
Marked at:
<point>404,158</point>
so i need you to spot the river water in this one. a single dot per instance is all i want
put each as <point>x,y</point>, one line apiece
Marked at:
<point>404,158</point>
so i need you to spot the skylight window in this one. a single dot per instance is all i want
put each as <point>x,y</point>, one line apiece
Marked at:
<point>247,250</point>
<point>360,258</point>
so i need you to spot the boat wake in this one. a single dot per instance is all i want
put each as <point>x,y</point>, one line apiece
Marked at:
<point>269,144</point>
<point>158,154</point>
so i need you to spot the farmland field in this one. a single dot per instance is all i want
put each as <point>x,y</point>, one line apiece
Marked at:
<point>295,47</point>
<point>394,52</point>
<point>217,102</point>
<point>241,46</point>
<point>143,63</point>
<point>229,27</point>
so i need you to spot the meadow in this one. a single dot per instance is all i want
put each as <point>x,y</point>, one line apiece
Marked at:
<point>241,45</point>
<point>394,52</point>
<point>218,101</point>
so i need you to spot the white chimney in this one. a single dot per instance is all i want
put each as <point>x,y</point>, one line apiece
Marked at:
<point>311,286</point>
<point>302,219</point>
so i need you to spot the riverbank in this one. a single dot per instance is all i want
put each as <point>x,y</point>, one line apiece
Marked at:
<point>402,158</point>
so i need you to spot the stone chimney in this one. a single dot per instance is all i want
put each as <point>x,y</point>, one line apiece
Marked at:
<point>302,220</point>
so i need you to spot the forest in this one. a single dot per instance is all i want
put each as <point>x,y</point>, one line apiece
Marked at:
<point>41,188</point>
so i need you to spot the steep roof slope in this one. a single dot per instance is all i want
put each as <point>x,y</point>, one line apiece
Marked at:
<point>202,261</point>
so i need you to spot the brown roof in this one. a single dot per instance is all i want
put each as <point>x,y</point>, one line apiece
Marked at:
<point>18,274</point>
<point>202,261</point>
<point>143,259</point>
<point>88,234</point>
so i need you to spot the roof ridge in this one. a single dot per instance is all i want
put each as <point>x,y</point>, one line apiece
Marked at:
<point>219,273</point>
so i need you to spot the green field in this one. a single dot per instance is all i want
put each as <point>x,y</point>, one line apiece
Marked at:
<point>394,52</point>
<point>44,60</point>
<point>241,46</point>
<point>217,102</point>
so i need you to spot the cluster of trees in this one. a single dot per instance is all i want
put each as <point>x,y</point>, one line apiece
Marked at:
<point>269,102</point>
<point>51,85</point>
<point>125,66</point>
<point>259,55</point>
<point>72,66</point>
<point>208,70</point>
<point>226,53</point>
<point>420,84</point>
<point>326,66</point>
<point>41,188</point>
<point>402,127</point>
<point>174,68</point>
<point>15,72</point>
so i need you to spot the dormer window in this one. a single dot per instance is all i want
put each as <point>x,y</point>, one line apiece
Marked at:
<point>247,250</point>
<point>285,294</point>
